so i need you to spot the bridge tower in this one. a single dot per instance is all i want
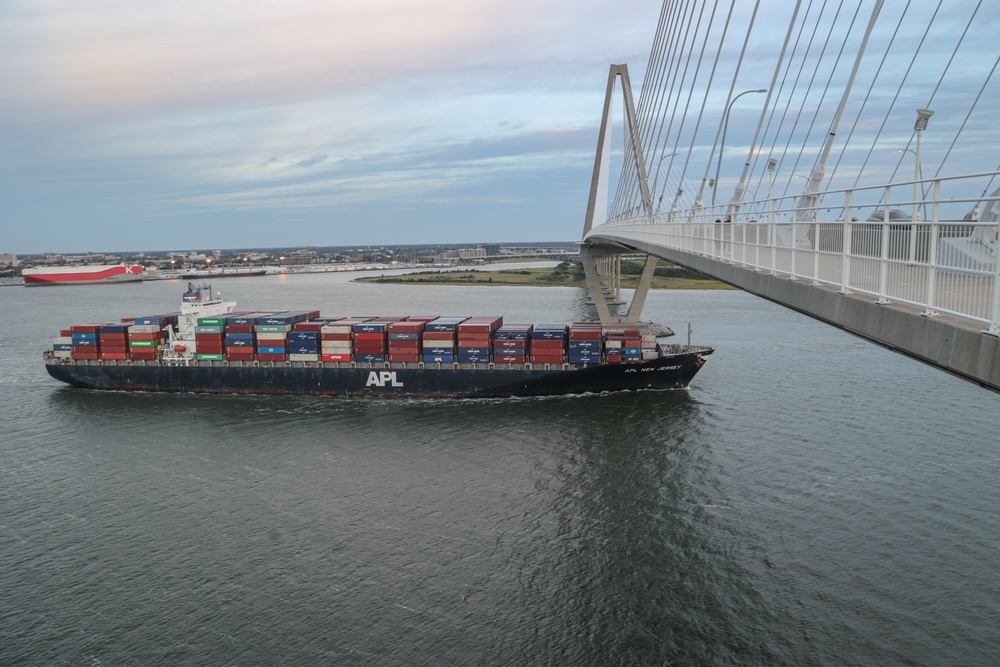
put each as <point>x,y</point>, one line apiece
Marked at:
<point>602,261</point>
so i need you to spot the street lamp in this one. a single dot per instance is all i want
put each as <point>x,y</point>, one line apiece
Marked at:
<point>663,189</point>
<point>725,127</point>
<point>923,115</point>
<point>771,164</point>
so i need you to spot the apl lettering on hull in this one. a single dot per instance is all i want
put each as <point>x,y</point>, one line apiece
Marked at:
<point>383,379</point>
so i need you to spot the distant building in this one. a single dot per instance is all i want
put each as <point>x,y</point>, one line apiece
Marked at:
<point>8,259</point>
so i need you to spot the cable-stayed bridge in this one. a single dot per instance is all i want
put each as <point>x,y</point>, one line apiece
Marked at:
<point>842,159</point>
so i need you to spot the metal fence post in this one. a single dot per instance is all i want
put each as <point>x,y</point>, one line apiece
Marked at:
<point>848,244</point>
<point>932,253</point>
<point>883,268</point>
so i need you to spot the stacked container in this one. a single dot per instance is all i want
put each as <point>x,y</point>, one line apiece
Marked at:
<point>62,345</point>
<point>440,338</point>
<point>240,339</point>
<point>145,336</point>
<point>84,341</point>
<point>510,343</point>
<point>475,336</point>
<point>303,342</point>
<point>404,340</point>
<point>112,341</point>
<point>548,341</point>
<point>210,338</point>
<point>335,341</point>
<point>585,343</point>
<point>371,341</point>
<point>623,345</point>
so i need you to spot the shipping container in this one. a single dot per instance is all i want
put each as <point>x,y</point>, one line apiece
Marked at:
<point>336,357</point>
<point>509,358</point>
<point>439,358</point>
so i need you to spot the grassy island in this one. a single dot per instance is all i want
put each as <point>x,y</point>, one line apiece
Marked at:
<point>566,274</point>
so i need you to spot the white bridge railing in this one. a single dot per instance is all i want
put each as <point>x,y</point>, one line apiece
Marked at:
<point>935,253</point>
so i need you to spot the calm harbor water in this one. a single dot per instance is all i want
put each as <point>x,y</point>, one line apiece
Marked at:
<point>811,500</point>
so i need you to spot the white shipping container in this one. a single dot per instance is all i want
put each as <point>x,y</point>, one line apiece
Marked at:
<point>336,328</point>
<point>62,340</point>
<point>303,357</point>
<point>145,328</point>
<point>271,335</point>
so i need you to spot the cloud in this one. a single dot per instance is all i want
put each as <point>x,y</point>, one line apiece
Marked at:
<point>311,161</point>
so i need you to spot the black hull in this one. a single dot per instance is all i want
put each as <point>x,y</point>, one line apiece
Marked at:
<point>673,371</point>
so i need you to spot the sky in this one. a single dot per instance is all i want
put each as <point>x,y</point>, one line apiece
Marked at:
<point>130,125</point>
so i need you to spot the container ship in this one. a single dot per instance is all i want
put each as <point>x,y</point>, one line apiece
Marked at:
<point>84,274</point>
<point>223,273</point>
<point>209,346</point>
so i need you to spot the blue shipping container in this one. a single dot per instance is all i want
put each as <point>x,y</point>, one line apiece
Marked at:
<point>440,358</point>
<point>271,349</point>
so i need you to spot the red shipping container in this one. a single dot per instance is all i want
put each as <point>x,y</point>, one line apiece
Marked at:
<point>548,345</point>
<point>585,334</point>
<point>406,327</point>
<point>546,358</point>
<point>439,335</point>
<point>115,356</point>
<point>335,336</point>
<point>144,355</point>
<point>509,358</point>
<point>369,350</point>
<point>86,328</point>
<point>421,318</point>
<point>404,357</point>
<point>370,336</point>
<point>473,340</point>
<point>240,328</point>
<point>270,357</point>
<point>112,336</point>
<point>403,345</point>
<point>307,326</point>
<point>242,355</point>
<point>114,347</point>
<point>613,358</point>
<point>336,357</point>
<point>145,336</point>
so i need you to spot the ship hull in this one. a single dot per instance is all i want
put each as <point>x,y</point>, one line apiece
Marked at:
<point>83,275</point>
<point>209,275</point>
<point>672,371</point>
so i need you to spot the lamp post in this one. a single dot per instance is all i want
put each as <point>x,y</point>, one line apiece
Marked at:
<point>771,164</point>
<point>923,115</point>
<point>669,155</point>
<point>725,128</point>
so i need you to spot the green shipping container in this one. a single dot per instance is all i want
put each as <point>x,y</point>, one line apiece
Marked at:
<point>210,357</point>
<point>209,329</point>
<point>144,343</point>
<point>211,322</point>
<point>272,328</point>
